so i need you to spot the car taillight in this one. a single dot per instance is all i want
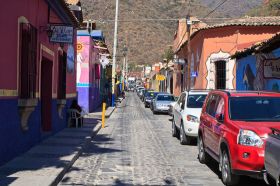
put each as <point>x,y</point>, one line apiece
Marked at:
<point>192,118</point>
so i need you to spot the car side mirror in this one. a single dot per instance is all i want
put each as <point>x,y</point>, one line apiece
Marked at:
<point>219,117</point>
<point>182,106</point>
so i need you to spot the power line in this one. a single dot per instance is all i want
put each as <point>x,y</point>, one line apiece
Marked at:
<point>158,19</point>
<point>215,8</point>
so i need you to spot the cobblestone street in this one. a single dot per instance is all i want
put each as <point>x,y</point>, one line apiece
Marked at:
<point>136,147</point>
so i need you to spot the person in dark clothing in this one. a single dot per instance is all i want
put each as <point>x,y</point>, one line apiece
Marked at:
<point>76,106</point>
<point>123,94</point>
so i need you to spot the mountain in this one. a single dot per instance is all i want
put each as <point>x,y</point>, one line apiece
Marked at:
<point>147,40</point>
<point>271,8</point>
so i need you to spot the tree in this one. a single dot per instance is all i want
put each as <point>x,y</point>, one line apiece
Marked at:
<point>168,54</point>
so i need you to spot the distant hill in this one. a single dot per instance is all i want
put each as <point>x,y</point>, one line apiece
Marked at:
<point>272,8</point>
<point>147,40</point>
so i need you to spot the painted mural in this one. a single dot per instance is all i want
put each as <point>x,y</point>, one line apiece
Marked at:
<point>83,62</point>
<point>250,73</point>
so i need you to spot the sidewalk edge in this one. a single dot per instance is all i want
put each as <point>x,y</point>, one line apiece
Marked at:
<point>107,115</point>
<point>69,165</point>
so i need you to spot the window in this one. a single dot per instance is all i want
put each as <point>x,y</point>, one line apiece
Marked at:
<point>255,109</point>
<point>196,101</point>
<point>220,75</point>
<point>28,56</point>
<point>165,98</point>
<point>220,107</point>
<point>181,100</point>
<point>212,104</point>
<point>61,85</point>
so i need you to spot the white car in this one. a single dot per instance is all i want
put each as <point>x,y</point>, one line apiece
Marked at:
<point>186,115</point>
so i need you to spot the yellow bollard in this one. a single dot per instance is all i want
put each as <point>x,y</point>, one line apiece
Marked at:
<point>103,114</point>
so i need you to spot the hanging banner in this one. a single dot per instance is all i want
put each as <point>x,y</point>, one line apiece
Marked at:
<point>70,59</point>
<point>104,60</point>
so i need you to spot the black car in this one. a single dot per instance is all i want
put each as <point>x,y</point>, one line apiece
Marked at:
<point>148,98</point>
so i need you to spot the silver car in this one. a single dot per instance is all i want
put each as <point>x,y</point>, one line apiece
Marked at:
<point>161,103</point>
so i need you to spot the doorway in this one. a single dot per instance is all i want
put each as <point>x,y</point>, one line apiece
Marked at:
<point>46,94</point>
<point>220,74</point>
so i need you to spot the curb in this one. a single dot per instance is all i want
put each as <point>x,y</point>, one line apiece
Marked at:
<point>69,165</point>
<point>107,115</point>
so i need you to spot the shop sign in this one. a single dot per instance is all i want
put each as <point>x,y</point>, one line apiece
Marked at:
<point>272,68</point>
<point>160,77</point>
<point>62,34</point>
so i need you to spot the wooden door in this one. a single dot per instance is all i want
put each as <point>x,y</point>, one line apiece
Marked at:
<point>46,94</point>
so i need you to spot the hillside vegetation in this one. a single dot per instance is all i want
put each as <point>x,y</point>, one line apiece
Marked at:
<point>147,40</point>
<point>271,9</point>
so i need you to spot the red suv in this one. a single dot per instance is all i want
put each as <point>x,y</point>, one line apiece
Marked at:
<point>233,129</point>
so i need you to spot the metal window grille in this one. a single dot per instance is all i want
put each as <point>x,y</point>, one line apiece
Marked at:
<point>61,89</point>
<point>28,58</point>
<point>220,74</point>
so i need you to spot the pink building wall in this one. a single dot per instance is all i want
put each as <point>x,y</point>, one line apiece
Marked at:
<point>9,65</point>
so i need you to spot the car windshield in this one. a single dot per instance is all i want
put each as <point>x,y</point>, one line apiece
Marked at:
<point>196,101</point>
<point>165,98</point>
<point>255,109</point>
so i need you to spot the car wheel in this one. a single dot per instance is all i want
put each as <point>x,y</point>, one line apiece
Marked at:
<point>154,112</point>
<point>203,156</point>
<point>146,106</point>
<point>227,177</point>
<point>174,128</point>
<point>184,140</point>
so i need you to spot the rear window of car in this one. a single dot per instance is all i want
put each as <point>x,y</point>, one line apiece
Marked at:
<point>196,101</point>
<point>254,109</point>
<point>149,94</point>
<point>165,98</point>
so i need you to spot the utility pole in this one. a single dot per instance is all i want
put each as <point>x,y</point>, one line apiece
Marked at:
<point>189,24</point>
<point>123,72</point>
<point>115,52</point>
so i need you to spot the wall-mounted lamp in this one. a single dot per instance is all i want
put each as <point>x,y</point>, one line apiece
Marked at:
<point>47,29</point>
<point>61,45</point>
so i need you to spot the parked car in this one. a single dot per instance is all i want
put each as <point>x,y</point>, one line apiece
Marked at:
<point>141,93</point>
<point>153,97</point>
<point>148,98</point>
<point>139,90</point>
<point>186,114</point>
<point>233,129</point>
<point>272,157</point>
<point>161,102</point>
<point>171,106</point>
<point>144,95</point>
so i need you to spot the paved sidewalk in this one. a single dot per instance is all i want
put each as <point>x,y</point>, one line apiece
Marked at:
<point>47,162</point>
<point>98,113</point>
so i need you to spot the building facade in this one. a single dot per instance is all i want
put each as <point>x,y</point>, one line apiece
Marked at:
<point>37,77</point>
<point>210,48</point>
<point>89,69</point>
<point>258,67</point>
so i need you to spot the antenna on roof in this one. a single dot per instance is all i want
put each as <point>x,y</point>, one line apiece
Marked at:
<point>258,89</point>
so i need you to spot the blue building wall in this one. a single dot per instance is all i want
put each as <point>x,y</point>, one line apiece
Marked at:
<point>13,140</point>
<point>89,98</point>
<point>246,72</point>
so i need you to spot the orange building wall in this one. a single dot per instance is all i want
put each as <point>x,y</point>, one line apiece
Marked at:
<point>226,39</point>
